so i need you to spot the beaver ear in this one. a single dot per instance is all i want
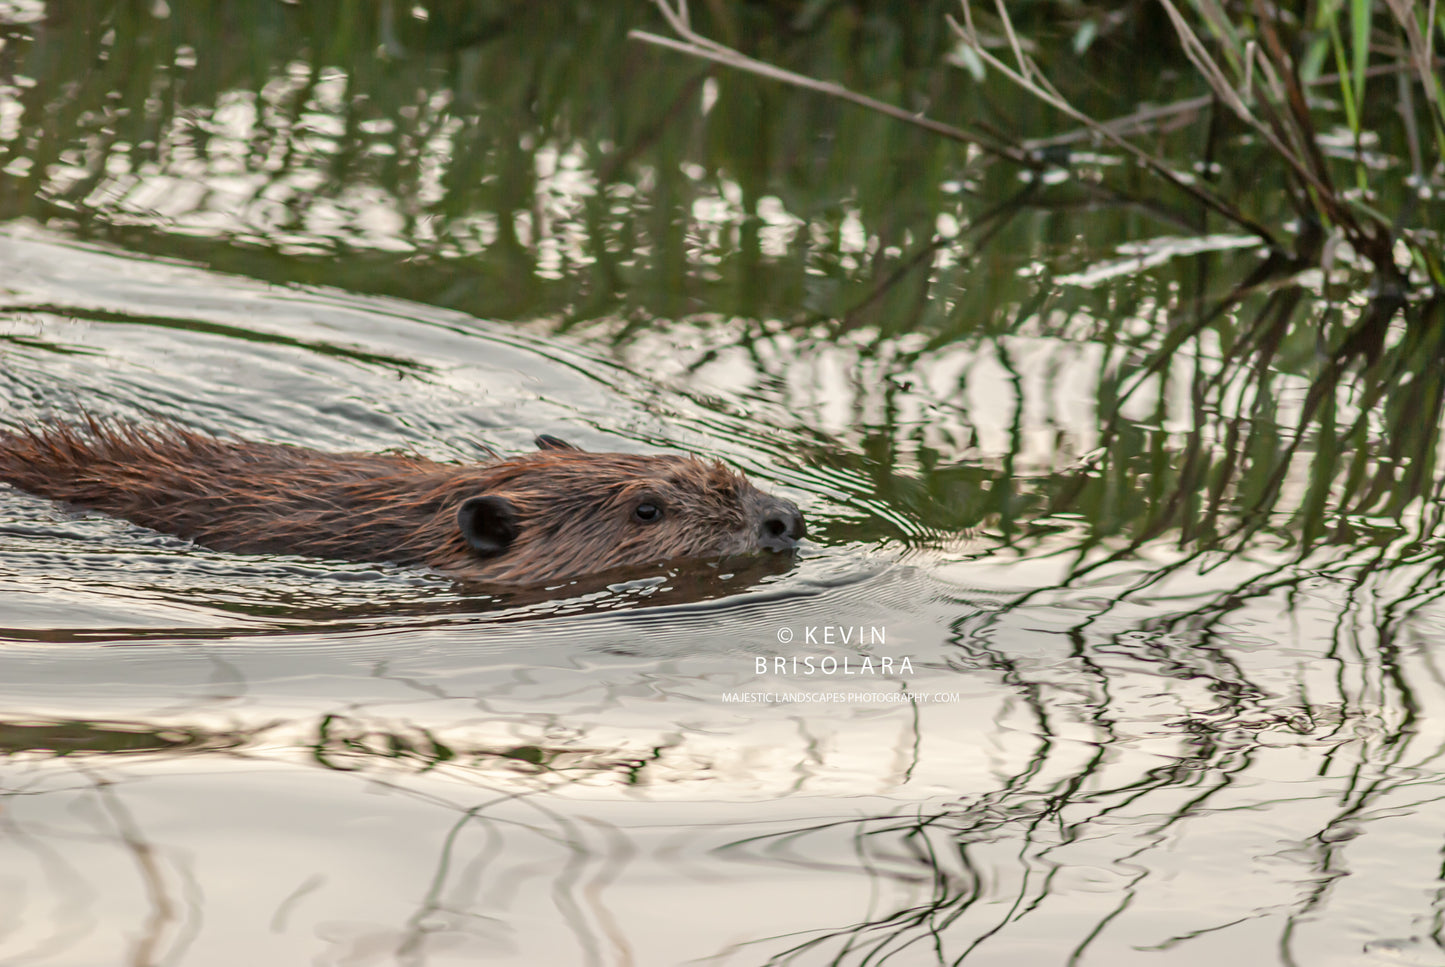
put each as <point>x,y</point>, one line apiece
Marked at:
<point>488,524</point>
<point>546,441</point>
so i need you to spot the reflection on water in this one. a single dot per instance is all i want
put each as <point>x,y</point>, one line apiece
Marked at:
<point>1167,578</point>
<point>1096,773</point>
<point>1102,758</point>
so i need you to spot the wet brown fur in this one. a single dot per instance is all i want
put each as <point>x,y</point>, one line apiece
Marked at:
<point>573,508</point>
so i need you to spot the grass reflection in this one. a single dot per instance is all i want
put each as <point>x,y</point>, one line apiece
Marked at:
<point>1215,408</point>
<point>449,153</point>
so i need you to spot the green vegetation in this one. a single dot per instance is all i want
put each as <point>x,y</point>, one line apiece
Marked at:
<point>1228,214</point>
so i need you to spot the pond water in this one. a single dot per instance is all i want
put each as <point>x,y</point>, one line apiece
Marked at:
<point>973,722</point>
<point>212,753</point>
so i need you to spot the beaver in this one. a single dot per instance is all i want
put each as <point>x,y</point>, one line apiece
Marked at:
<point>545,516</point>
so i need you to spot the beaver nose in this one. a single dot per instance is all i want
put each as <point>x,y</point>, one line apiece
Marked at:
<point>782,525</point>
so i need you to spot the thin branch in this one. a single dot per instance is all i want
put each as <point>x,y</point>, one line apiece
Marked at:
<point>696,45</point>
<point>1021,76</point>
<point>1148,117</point>
<point>1198,56</point>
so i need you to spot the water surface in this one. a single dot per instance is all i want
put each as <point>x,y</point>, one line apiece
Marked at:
<point>1115,740</point>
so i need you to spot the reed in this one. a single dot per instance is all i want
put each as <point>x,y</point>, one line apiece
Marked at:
<point>1314,398</point>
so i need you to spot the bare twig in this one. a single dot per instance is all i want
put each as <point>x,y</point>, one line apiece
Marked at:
<point>1421,45</point>
<point>1150,117</point>
<point>1027,76</point>
<point>696,45</point>
<point>1214,76</point>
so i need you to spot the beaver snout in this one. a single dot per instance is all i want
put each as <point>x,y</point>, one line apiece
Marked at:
<point>780,523</point>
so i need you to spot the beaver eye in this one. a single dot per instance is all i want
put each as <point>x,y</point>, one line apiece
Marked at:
<point>647,512</point>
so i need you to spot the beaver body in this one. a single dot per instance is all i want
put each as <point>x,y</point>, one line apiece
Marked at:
<point>539,517</point>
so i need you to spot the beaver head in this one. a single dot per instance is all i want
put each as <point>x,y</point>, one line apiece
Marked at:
<point>563,512</point>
